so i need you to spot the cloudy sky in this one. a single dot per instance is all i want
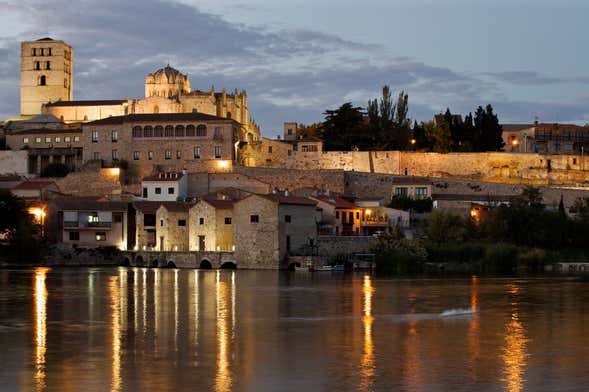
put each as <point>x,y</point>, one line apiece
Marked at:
<point>297,58</point>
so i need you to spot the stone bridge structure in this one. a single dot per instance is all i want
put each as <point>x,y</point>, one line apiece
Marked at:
<point>202,260</point>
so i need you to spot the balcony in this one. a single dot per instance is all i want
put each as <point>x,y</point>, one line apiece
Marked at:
<point>382,221</point>
<point>86,225</point>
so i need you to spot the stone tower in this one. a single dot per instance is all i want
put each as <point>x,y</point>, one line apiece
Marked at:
<point>46,68</point>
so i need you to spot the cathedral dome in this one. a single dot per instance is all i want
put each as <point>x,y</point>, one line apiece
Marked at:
<point>166,82</point>
<point>169,73</point>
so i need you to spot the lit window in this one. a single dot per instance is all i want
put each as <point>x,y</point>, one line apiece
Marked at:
<point>168,154</point>
<point>136,155</point>
<point>47,140</point>
<point>150,155</point>
<point>76,139</point>
<point>217,151</point>
<point>100,236</point>
<point>196,152</point>
<point>115,155</point>
<point>58,140</point>
<point>401,191</point>
<point>25,140</point>
<point>421,191</point>
<point>178,154</point>
<point>114,136</point>
<point>67,139</point>
<point>94,136</point>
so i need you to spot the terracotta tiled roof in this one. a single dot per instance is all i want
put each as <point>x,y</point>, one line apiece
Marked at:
<point>89,204</point>
<point>292,200</point>
<point>337,201</point>
<point>172,176</point>
<point>220,204</point>
<point>176,206</point>
<point>31,185</point>
<point>147,206</point>
<point>160,117</point>
<point>104,102</point>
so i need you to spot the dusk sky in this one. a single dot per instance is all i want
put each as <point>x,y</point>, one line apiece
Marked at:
<point>297,58</point>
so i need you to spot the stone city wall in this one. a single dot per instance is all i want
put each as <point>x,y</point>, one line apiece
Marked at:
<point>343,246</point>
<point>332,180</point>
<point>90,182</point>
<point>14,162</point>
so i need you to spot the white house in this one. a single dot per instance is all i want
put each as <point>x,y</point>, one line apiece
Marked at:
<point>168,186</point>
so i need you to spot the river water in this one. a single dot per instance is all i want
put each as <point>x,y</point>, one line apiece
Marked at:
<point>168,330</point>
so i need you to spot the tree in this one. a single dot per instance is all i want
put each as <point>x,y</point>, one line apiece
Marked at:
<point>344,128</point>
<point>438,136</point>
<point>17,226</point>
<point>532,196</point>
<point>442,227</point>
<point>488,131</point>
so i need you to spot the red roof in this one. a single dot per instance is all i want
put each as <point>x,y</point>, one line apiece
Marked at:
<point>337,201</point>
<point>32,185</point>
<point>172,176</point>
<point>147,206</point>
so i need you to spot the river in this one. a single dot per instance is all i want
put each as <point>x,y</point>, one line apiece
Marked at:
<point>169,330</point>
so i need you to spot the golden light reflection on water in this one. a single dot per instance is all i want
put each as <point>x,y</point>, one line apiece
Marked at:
<point>367,365</point>
<point>176,310</point>
<point>115,325</point>
<point>40,327</point>
<point>514,353</point>
<point>225,306</point>
<point>196,307</point>
<point>474,328</point>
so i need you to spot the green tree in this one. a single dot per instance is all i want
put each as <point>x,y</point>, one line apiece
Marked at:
<point>344,129</point>
<point>438,136</point>
<point>17,226</point>
<point>442,227</point>
<point>488,131</point>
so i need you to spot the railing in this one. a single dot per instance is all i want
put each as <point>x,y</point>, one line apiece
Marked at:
<point>87,224</point>
<point>375,222</point>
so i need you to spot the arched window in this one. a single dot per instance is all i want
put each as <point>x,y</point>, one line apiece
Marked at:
<point>42,80</point>
<point>137,131</point>
<point>156,109</point>
<point>147,131</point>
<point>179,130</point>
<point>158,131</point>
<point>201,130</point>
<point>190,130</point>
<point>169,131</point>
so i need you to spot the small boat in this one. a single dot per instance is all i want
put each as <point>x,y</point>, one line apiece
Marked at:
<point>302,268</point>
<point>324,268</point>
<point>339,268</point>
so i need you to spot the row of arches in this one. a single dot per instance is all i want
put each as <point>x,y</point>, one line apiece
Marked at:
<point>204,263</point>
<point>170,131</point>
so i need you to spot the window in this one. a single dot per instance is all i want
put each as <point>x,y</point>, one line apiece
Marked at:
<point>149,220</point>
<point>178,154</point>
<point>289,131</point>
<point>169,131</point>
<point>201,130</point>
<point>227,221</point>
<point>217,134</point>
<point>309,148</point>
<point>42,80</point>
<point>421,191</point>
<point>25,140</point>
<point>337,215</point>
<point>114,136</point>
<point>217,151</point>
<point>150,155</point>
<point>34,52</point>
<point>137,132</point>
<point>74,236</point>
<point>37,65</point>
<point>48,51</point>
<point>171,190</point>
<point>228,114</point>
<point>47,64</point>
<point>118,218</point>
<point>100,236</point>
<point>201,221</point>
<point>147,131</point>
<point>115,155</point>
<point>67,139</point>
<point>42,51</point>
<point>357,215</point>
<point>254,218</point>
<point>181,222</point>
<point>94,136</point>
<point>76,139</point>
<point>270,149</point>
<point>161,222</point>
<point>96,156</point>
<point>401,191</point>
<point>37,140</point>
<point>144,193</point>
<point>158,131</point>
<point>196,152</point>
<point>289,153</point>
<point>135,155</point>
<point>158,191</point>
<point>58,140</point>
<point>351,217</point>
<point>168,154</point>
<point>179,131</point>
<point>47,140</point>
<point>190,130</point>
<point>287,218</point>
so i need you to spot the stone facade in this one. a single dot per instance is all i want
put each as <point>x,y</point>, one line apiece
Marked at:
<point>166,141</point>
<point>14,162</point>
<point>172,227</point>
<point>45,74</point>
<point>165,186</point>
<point>211,226</point>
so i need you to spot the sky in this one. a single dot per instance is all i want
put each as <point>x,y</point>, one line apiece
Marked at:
<point>298,58</point>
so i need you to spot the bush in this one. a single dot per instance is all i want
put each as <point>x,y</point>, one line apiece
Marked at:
<point>55,170</point>
<point>406,203</point>
<point>500,258</point>
<point>397,255</point>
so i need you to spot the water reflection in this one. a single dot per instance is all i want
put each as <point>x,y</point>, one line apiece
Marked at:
<point>514,353</point>
<point>474,329</point>
<point>115,325</point>
<point>40,294</point>
<point>225,330</point>
<point>367,366</point>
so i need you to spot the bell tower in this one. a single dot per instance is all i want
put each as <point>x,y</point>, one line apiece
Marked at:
<point>46,69</point>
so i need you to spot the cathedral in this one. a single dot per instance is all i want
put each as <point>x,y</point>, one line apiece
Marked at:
<point>47,85</point>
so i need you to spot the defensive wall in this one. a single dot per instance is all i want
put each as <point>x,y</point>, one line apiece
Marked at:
<point>490,166</point>
<point>14,162</point>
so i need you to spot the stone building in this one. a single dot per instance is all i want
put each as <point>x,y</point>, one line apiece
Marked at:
<point>165,186</point>
<point>339,216</point>
<point>211,225</point>
<point>546,138</point>
<point>45,74</point>
<point>172,226</point>
<point>267,228</point>
<point>168,142</point>
<point>145,224</point>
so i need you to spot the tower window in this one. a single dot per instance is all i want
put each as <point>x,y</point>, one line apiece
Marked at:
<point>42,52</point>
<point>34,52</point>
<point>48,51</point>
<point>37,65</point>
<point>47,64</point>
<point>42,80</point>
